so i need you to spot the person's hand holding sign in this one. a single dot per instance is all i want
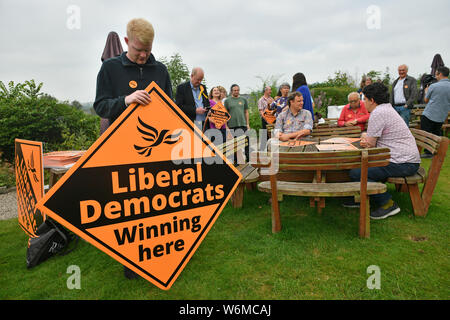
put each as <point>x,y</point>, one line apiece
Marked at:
<point>200,110</point>
<point>140,96</point>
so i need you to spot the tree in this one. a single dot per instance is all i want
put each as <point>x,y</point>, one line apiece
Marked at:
<point>386,77</point>
<point>341,79</point>
<point>76,104</point>
<point>29,89</point>
<point>178,70</point>
<point>376,76</point>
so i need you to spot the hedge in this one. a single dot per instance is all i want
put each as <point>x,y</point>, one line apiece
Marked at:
<point>58,125</point>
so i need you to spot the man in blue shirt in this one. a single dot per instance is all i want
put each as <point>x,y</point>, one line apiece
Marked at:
<point>437,97</point>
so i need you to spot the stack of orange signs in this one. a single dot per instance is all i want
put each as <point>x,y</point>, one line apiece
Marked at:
<point>219,115</point>
<point>147,191</point>
<point>29,183</point>
<point>61,159</point>
<point>269,116</point>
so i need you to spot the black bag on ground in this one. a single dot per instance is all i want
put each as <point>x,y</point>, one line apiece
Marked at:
<point>51,239</point>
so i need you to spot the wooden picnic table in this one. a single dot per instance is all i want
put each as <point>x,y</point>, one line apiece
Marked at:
<point>305,168</point>
<point>304,176</point>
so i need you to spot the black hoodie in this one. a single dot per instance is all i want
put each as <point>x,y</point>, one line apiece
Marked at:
<point>119,77</point>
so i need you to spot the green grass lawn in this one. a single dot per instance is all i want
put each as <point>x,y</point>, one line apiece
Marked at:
<point>313,257</point>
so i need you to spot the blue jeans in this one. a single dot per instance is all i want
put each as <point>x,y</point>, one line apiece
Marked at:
<point>404,112</point>
<point>381,174</point>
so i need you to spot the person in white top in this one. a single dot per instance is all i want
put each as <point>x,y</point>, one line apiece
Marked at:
<point>386,129</point>
<point>404,93</point>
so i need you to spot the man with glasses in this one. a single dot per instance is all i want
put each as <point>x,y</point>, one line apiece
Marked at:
<point>192,97</point>
<point>354,113</point>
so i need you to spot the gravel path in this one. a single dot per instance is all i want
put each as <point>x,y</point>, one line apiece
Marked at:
<point>8,205</point>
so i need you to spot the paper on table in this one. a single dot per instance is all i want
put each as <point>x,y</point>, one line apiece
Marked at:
<point>336,147</point>
<point>61,159</point>
<point>341,140</point>
<point>296,143</point>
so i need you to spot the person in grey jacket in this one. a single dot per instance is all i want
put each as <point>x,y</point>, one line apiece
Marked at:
<point>404,93</point>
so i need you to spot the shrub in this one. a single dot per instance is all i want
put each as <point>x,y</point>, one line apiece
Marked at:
<point>329,96</point>
<point>40,118</point>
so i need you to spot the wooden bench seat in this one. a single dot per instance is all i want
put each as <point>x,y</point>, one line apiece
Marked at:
<point>276,164</point>
<point>340,189</point>
<point>419,177</point>
<point>421,200</point>
<point>446,126</point>
<point>234,149</point>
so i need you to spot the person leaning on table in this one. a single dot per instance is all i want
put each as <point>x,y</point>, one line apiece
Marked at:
<point>386,129</point>
<point>294,122</point>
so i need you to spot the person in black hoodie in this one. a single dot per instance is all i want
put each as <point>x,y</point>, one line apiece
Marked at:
<point>122,80</point>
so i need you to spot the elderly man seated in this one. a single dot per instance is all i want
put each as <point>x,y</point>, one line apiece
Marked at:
<point>294,122</point>
<point>354,113</point>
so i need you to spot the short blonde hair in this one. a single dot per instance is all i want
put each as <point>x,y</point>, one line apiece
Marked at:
<point>141,30</point>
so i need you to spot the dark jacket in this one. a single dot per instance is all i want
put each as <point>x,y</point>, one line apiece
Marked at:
<point>409,90</point>
<point>185,99</point>
<point>119,77</point>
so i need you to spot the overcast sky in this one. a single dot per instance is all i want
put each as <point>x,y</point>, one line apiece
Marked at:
<point>60,42</point>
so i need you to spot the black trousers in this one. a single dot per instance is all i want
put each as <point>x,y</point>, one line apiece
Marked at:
<point>430,126</point>
<point>263,123</point>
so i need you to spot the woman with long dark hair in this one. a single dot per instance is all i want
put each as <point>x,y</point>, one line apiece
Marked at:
<point>299,84</point>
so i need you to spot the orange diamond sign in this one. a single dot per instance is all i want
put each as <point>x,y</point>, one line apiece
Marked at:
<point>29,184</point>
<point>147,191</point>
